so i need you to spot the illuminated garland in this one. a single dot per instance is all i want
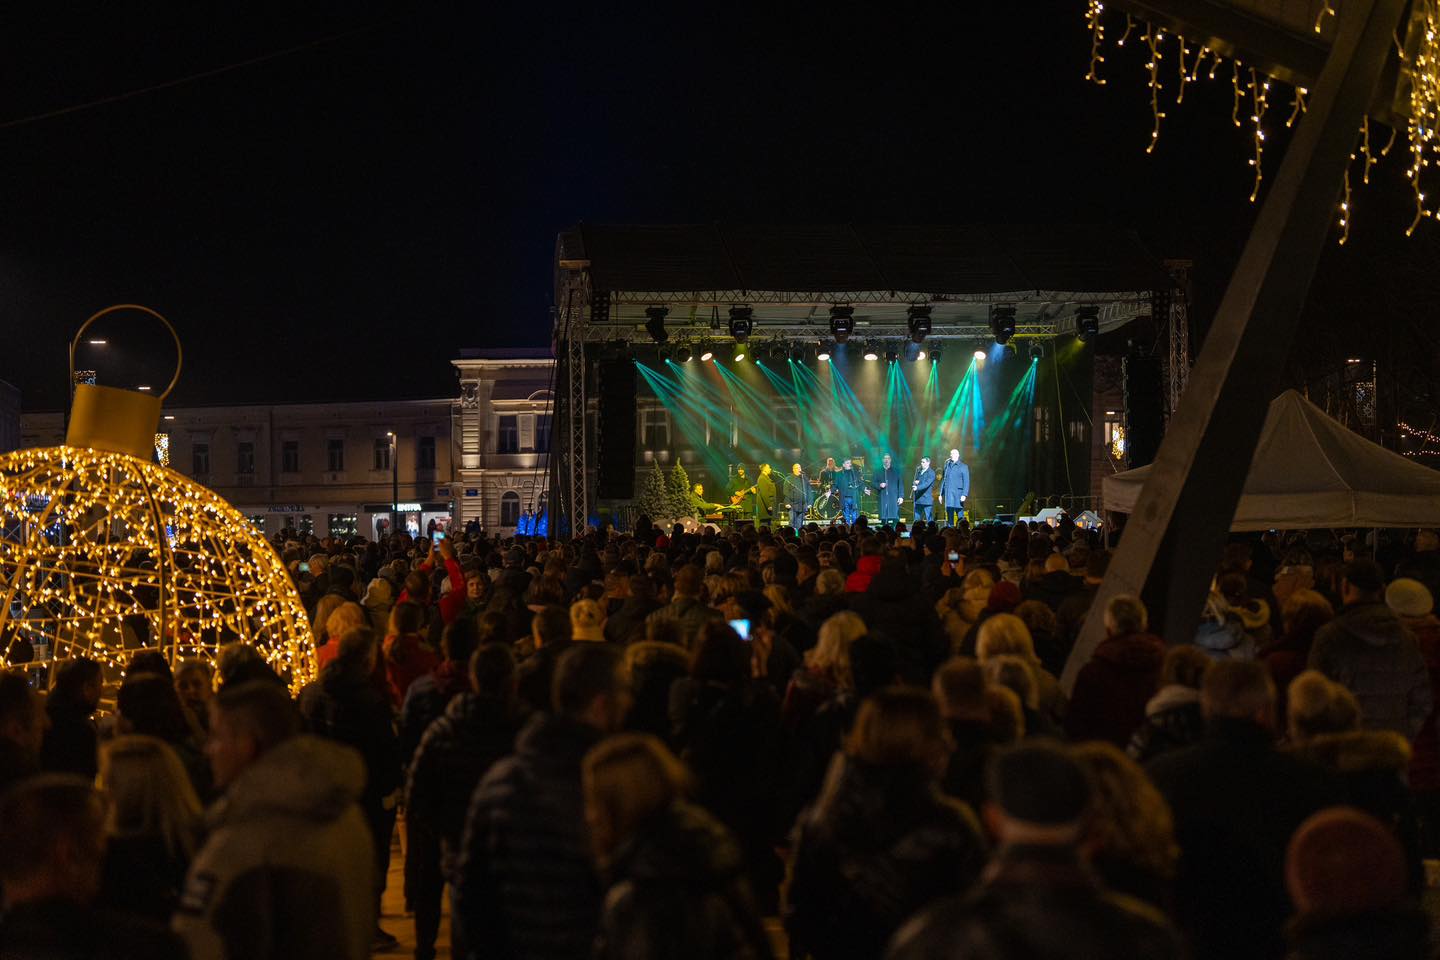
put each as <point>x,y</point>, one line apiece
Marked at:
<point>1423,73</point>
<point>93,544</point>
<point>1420,436</point>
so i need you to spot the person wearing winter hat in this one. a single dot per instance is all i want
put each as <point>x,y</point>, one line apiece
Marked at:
<point>587,622</point>
<point>1335,915</point>
<point>1412,602</point>
<point>379,598</point>
<point>1037,897</point>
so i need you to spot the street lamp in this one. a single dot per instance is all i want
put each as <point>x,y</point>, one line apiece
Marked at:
<point>394,483</point>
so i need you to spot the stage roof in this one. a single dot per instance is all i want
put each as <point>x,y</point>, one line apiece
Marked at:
<point>792,274</point>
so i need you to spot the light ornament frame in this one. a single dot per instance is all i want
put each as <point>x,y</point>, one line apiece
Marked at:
<point>89,538</point>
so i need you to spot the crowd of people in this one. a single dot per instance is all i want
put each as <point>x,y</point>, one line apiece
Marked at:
<point>829,743</point>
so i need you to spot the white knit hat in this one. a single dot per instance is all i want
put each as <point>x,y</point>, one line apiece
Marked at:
<point>1409,598</point>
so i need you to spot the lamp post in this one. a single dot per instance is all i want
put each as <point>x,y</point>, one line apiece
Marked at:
<point>394,483</point>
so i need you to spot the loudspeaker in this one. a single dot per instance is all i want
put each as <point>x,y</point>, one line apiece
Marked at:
<point>615,444</point>
<point>1144,409</point>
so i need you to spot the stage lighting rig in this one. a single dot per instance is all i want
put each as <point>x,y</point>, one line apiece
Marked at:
<point>797,354</point>
<point>655,323</point>
<point>1002,324</point>
<point>917,318</point>
<point>683,353</point>
<point>824,350</point>
<point>1087,322</point>
<point>872,352</point>
<point>707,353</point>
<point>742,322</point>
<point>892,353</point>
<point>936,349</point>
<point>1036,352</point>
<point>842,322</point>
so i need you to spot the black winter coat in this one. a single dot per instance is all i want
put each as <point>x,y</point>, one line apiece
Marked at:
<point>893,608</point>
<point>1173,720</point>
<point>351,710</point>
<point>1237,801</point>
<point>142,878</point>
<point>454,754</point>
<point>526,884</point>
<point>879,844</point>
<point>627,625</point>
<point>58,930</point>
<point>71,743</point>
<point>1398,934</point>
<point>678,892</point>
<point>1037,902</point>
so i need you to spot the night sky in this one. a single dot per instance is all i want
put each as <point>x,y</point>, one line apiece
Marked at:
<point>337,222</point>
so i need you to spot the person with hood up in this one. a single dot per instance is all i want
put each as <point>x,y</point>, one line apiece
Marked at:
<point>1173,718</point>
<point>675,877</point>
<point>1221,633</point>
<point>866,568</point>
<point>1370,652</point>
<point>379,598</point>
<point>286,869</point>
<point>1111,690</point>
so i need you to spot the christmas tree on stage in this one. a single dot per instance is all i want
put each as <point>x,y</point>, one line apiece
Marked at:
<point>653,500</point>
<point>677,489</point>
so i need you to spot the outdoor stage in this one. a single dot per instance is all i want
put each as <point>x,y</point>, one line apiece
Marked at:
<point>838,341</point>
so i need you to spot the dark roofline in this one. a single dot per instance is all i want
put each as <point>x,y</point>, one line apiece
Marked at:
<point>506,353</point>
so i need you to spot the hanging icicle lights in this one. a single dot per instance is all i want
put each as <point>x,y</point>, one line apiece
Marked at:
<point>105,555</point>
<point>1420,57</point>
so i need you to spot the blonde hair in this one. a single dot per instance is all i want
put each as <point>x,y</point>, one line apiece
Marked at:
<point>344,618</point>
<point>150,793</point>
<point>832,648</point>
<point>626,779</point>
<point>1007,719</point>
<point>1129,819</point>
<point>1317,705</point>
<point>829,581</point>
<point>1005,635</point>
<point>979,578</point>
<point>779,597</point>
<point>325,608</point>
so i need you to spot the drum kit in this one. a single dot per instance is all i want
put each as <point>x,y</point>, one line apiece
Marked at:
<point>826,505</point>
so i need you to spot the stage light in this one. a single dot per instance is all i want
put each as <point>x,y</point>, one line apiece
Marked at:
<point>935,350</point>
<point>918,320</point>
<point>824,351</point>
<point>891,354</point>
<point>842,323</point>
<point>910,351</point>
<point>1087,323</point>
<point>683,353</point>
<point>778,351</point>
<point>706,353</point>
<point>145,388</point>
<point>979,356</point>
<point>920,355</point>
<point>739,354</point>
<point>1036,352</point>
<point>741,323</point>
<point>655,323</point>
<point>872,352</point>
<point>664,354</point>
<point>797,355</point>
<point>1002,323</point>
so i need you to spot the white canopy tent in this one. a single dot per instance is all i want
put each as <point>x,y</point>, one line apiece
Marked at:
<point>1310,471</point>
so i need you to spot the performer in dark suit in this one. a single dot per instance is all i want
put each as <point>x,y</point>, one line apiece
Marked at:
<point>795,494</point>
<point>764,497</point>
<point>955,488</point>
<point>740,494</point>
<point>848,481</point>
<point>924,490</point>
<point>827,476</point>
<point>887,487</point>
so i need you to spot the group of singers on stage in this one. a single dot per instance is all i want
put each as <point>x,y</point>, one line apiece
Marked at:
<point>764,499</point>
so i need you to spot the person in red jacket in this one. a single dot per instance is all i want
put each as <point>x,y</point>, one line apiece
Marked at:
<point>452,603</point>
<point>407,655</point>
<point>1108,702</point>
<point>866,568</point>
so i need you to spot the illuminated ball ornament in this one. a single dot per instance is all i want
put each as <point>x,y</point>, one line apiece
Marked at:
<point>106,554</point>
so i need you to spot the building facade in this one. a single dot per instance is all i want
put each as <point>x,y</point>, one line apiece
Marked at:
<point>327,468</point>
<point>503,435</point>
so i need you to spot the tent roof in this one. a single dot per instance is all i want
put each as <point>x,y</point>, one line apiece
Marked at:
<point>844,258</point>
<point>1311,471</point>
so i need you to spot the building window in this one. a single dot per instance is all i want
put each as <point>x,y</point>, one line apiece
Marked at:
<point>307,525</point>
<point>335,454</point>
<point>655,428</point>
<point>507,435</point>
<point>290,456</point>
<point>1115,439</point>
<point>342,525</point>
<point>200,459</point>
<point>381,460</point>
<point>542,433</point>
<point>245,457</point>
<point>1077,431</point>
<point>162,449</point>
<point>257,520</point>
<point>510,509</point>
<point>425,453</point>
